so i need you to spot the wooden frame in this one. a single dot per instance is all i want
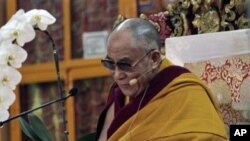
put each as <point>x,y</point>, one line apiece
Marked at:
<point>80,73</point>
<point>128,8</point>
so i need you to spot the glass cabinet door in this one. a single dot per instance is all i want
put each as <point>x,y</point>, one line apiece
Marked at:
<point>36,94</point>
<point>89,103</point>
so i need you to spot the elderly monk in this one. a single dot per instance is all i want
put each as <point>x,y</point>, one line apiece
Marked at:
<point>151,99</point>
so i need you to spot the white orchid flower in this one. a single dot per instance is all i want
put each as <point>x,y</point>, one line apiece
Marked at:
<point>4,114</point>
<point>12,54</point>
<point>19,15</point>
<point>13,35</point>
<point>19,30</point>
<point>40,18</point>
<point>9,77</point>
<point>7,97</point>
<point>1,38</point>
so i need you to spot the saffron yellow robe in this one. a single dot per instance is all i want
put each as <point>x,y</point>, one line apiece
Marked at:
<point>184,110</point>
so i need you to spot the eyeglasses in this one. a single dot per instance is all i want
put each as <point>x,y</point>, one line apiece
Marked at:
<point>124,66</point>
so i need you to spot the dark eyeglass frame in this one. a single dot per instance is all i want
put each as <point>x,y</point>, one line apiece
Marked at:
<point>123,66</point>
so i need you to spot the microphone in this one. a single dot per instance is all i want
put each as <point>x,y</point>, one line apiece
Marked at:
<point>72,92</point>
<point>135,80</point>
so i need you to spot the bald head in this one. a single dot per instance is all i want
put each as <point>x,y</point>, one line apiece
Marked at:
<point>142,31</point>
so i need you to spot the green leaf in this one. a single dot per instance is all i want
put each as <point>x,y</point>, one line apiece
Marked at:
<point>40,129</point>
<point>27,130</point>
<point>87,137</point>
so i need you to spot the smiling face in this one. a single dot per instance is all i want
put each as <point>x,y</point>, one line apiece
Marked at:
<point>123,48</point>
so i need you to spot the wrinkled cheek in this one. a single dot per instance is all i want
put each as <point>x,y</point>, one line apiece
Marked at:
<point>129,91</point>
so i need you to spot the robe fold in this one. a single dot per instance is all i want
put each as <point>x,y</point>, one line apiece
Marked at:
<point>177,106</point>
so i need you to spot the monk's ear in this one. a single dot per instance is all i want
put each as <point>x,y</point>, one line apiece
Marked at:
<point>155,58</point>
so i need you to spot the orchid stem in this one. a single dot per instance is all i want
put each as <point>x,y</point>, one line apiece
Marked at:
<point>59,82</point>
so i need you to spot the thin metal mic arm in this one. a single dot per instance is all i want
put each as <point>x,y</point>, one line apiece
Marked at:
<point>72,92</point>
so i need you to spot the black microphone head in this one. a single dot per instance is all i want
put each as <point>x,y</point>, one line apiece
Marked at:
<point>73,91</point>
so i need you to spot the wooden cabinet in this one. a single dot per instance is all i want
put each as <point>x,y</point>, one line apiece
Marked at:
<point>39,82</point>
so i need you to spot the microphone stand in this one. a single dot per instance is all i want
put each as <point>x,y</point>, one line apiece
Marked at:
<point>72,92</point>
<point>59,83</point>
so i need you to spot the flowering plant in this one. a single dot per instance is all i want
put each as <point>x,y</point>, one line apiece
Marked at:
<point>19,30</point>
